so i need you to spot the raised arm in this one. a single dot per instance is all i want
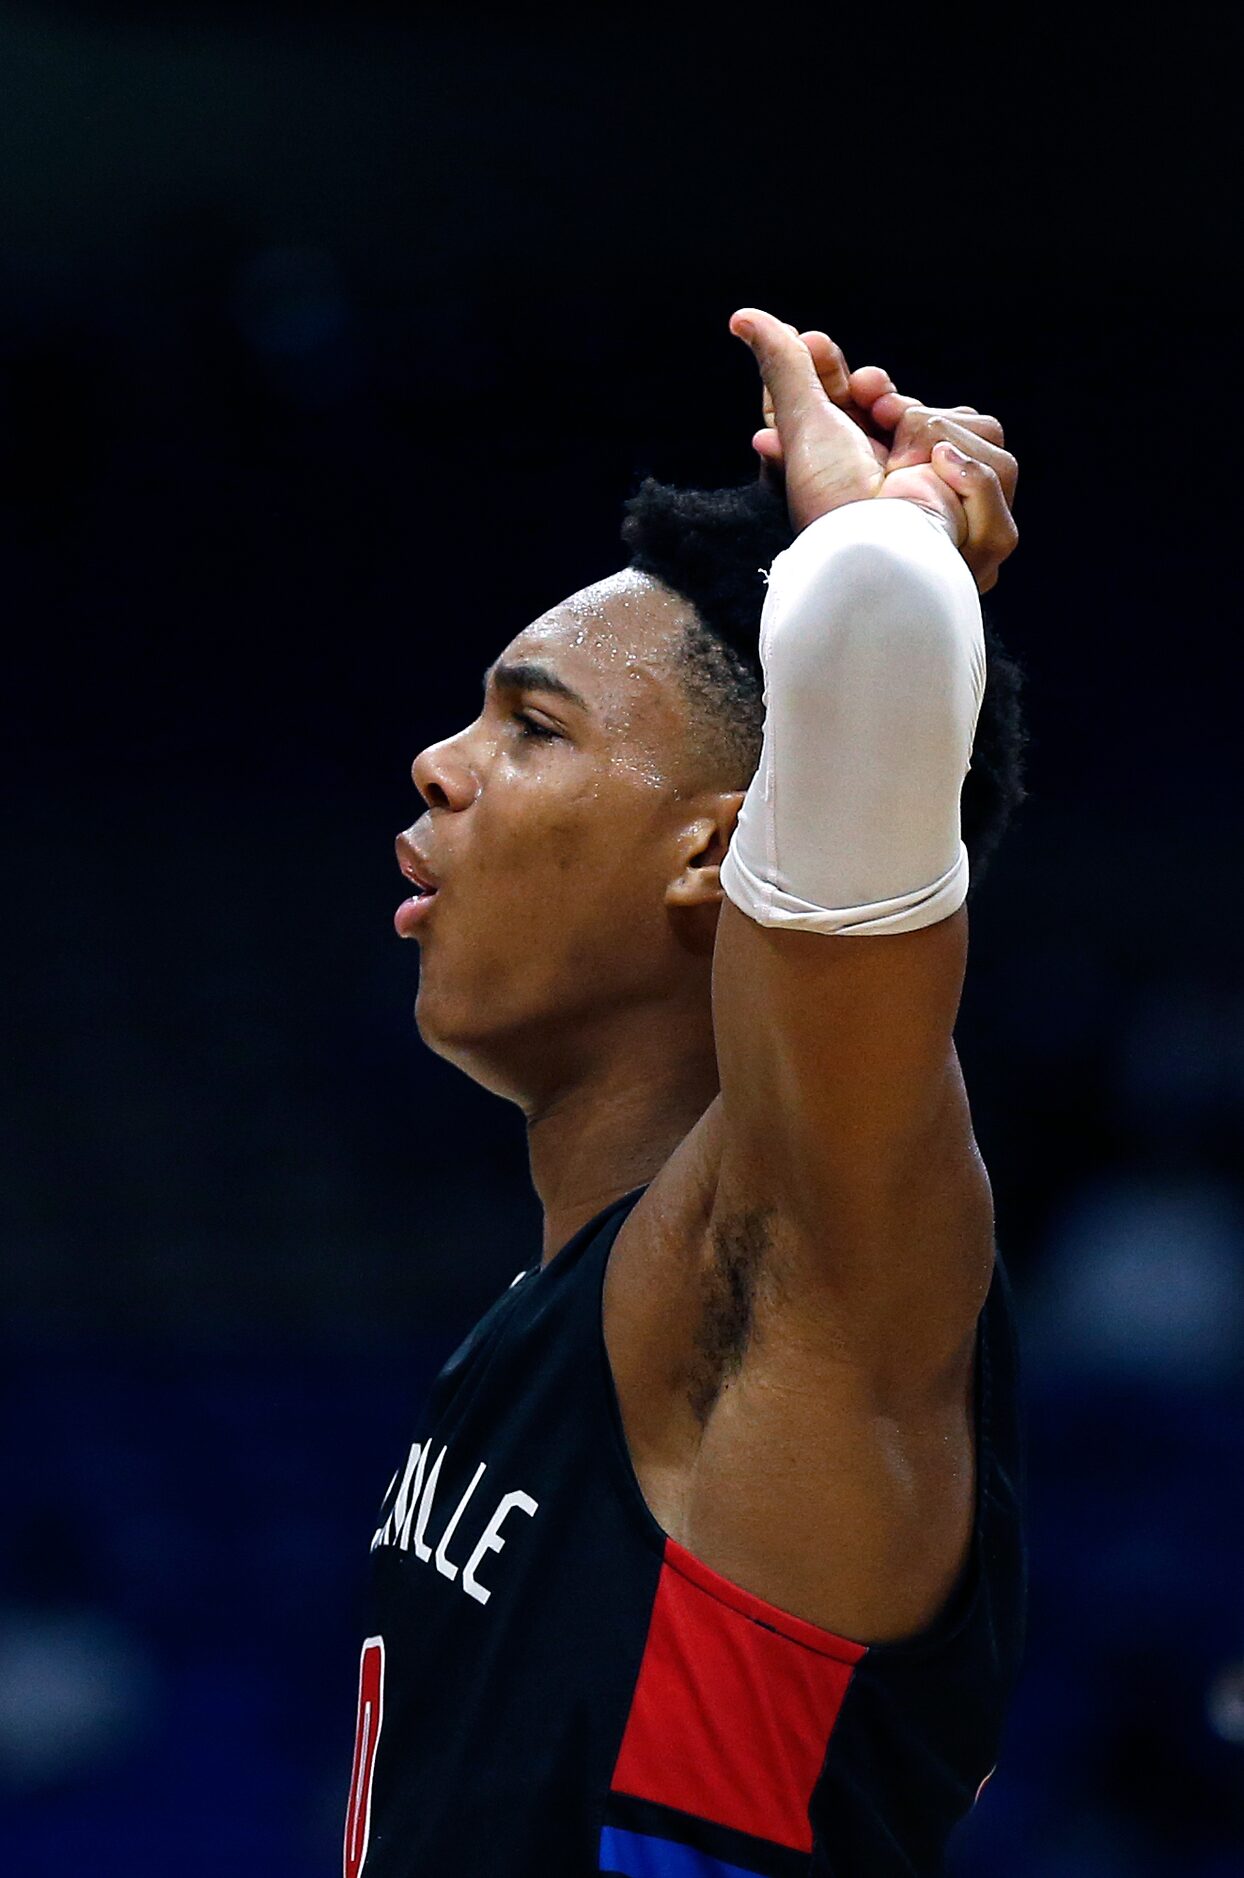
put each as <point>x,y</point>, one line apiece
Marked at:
<point>840,954</point>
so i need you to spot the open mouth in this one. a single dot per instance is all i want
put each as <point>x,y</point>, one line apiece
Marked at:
<point>412,864</point>
<point>412,911</point>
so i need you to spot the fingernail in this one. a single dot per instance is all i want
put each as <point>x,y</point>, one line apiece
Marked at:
<point>961,462</point>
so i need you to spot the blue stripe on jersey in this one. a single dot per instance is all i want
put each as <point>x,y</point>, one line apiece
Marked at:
<point>638,1855</point>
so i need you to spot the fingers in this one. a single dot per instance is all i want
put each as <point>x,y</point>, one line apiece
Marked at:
<point>831,366</point>
<point>852,392</point>
<point>965,447</point>
<point>869,383</point>
<point>767,443</point>
<point>902,415</point>
<point>992,534</point>
<point>920,430</point>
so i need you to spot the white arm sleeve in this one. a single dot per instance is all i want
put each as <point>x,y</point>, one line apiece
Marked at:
<point>873,652</point>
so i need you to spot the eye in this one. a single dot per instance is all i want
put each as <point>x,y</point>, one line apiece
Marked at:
<point>531,729</point>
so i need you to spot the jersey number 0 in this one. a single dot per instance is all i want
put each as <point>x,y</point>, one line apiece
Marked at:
<point>366,1737</point>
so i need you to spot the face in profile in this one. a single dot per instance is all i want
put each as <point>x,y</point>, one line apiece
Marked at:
<point>558,850</point>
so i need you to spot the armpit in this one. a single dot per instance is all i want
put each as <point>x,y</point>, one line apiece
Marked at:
<point>741,1244</point>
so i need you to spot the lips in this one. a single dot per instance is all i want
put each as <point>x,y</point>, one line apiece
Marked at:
<point>412,912</point>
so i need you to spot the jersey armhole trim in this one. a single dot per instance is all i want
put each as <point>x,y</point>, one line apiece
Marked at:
<point>758,1609</point>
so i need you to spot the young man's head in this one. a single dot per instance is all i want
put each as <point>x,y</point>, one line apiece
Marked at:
<point>573,831</point>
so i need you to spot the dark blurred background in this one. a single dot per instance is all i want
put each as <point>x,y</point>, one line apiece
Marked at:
<point>332,339</point>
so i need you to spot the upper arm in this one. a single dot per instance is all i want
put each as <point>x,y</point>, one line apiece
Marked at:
<point>844,1120</point>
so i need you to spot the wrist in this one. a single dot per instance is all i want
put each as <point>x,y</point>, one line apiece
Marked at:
<point>923,489</point>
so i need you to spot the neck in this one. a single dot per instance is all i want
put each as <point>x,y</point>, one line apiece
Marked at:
<point>614,1126</point>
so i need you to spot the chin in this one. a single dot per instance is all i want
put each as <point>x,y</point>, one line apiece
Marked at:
<point>450,1035</point>
<point>431,1022</point>
<point>505,1062</point>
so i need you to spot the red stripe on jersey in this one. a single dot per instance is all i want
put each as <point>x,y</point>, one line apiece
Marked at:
<point>733,1707</point>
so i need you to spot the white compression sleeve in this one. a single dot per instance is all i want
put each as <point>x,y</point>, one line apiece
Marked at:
<point>873,652</point>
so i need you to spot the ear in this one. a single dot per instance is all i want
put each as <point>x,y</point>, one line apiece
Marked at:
<point>703,840</point>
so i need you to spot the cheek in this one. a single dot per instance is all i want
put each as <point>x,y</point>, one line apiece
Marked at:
<point>561,874</point>
<point>542,821</point>
<point>526,891</point>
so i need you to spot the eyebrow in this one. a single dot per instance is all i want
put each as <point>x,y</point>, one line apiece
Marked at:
<point>529,675</point>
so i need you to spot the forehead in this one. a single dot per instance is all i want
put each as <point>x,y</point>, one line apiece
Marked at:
<point>614,641</point>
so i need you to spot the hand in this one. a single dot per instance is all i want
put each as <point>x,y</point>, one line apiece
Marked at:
<point>973,501</point>
<point>965,449</point>
<point>853,392</point>
<point>826,458</point>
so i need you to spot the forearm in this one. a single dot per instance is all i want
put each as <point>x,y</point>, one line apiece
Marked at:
<point>873,652</point>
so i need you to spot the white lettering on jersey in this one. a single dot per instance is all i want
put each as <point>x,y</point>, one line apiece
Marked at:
<point>407,1522</point>
<point>398,1514</point>
<point>402,1526</point>
<point>443,1565</point>
<point>493,1542</point>
<point>422,1550</point>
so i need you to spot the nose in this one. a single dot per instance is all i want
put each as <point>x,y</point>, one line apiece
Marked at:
<point>443,777</point>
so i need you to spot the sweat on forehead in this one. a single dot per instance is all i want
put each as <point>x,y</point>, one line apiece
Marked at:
<point>626,620</point>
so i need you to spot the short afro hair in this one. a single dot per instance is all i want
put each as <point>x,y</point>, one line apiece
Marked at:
<point>714,548</point>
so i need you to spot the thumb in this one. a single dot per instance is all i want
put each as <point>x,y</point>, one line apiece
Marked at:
<point>786,365</point>
<point>826,457</point>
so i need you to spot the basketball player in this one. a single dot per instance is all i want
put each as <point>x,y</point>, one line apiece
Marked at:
<point>707,1558</point>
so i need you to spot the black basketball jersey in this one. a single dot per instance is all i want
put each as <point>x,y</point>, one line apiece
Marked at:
<point>555,1688</point>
